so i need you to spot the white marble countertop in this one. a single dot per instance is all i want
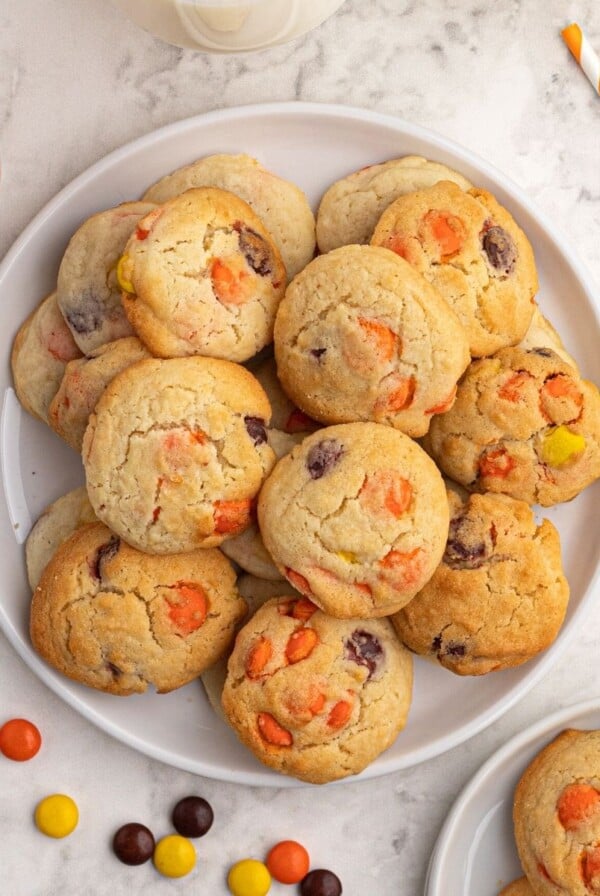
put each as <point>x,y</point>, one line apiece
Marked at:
<point>78,80</point>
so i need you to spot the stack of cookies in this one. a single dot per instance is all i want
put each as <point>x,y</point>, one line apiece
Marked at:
<point>277,520</point>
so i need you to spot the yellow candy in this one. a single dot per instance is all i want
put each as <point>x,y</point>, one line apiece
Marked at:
<point>348,556</point>
<point>174,856</point>
<point>249,877</point>
<point>561,447</point>
<point>56,815</point>
<point>122,279</point>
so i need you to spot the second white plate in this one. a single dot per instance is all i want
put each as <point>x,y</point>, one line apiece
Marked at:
<point>475,854</point>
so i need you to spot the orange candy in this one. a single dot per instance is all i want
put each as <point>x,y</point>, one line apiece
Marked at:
<point>272,732</point>
<point>232,516</point>
<point>288,862</point>
<point>340,714</point>
<point>298,581</point>
<point>188,611</point>
<point>258,657</point>
<point>511,390</point>
<point>447,230</point>
<point>227,283</point>
<point>497,463</point>
<point>576,803</point>
<point>301,644</point>
<point>382,339</point>
<point>386,489</point>
<point>19,740</point>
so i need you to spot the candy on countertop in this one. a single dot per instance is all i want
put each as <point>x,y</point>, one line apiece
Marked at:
<point>174,856</point>
<point>192,816</point>
<point>19,740</point>
<point>133,844</point>
<point>249,877</point>
<point>56,815</point>
<point>288,862</point>
<point>321,882</point>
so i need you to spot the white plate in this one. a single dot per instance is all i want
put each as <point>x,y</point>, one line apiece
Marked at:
<point>475,854</point>
<point>311,145</point>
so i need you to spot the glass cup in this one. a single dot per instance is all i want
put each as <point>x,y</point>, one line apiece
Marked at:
<point>228,26</point>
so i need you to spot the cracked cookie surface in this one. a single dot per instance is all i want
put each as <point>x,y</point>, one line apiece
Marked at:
<point>556,814</point>
<point>356,518</point>
<point>498,597</point>
<point>351,207</point>
<point>84,381</point>
<point>52,527</point>
<point>87,289</point>
<point>176,451</point>
<point>524,424</point>
<point>280,204</point>
<point>361,335</point>
<point>201,275</point>
<point>472,250</point>
<point>112,618</point>
<point>40,353</point>
<point>315,697</point>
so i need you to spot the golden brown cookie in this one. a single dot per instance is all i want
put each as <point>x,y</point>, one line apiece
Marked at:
<point>281,205</point>
<point>41,350</point>
<point>556,815</point>
<point>356,518</point>
<point>361,335</point>
<point>524,424</point>
<point>201,275</point>
<point>472,250</point>
<point>84,381</point>
<point>316,697</point>
<point>176,451</point>
<point>110,617</point>
<point>519,887</point>
<point>498,597</point>
<point>351,207</point>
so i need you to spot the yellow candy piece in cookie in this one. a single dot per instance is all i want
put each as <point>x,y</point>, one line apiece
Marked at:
<point>561,447</point>
<point>123,275</point>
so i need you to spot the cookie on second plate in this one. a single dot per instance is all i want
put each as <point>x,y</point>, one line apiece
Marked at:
<point>201,275</point>
<point>472,250</point>
<point>84,381</point>
<point>556,813</point>
<point>176,452</point>
<point>55,524</point>
<point>499,596</point>
<point>280,204</point>
<point>356,518</point>
<point>361,335</point>
<point>118,620</point>
<point>523,424</point>
<point>41,350</point>
<point>316,697</point>
<point>87,289</point>
<point>350,208</point>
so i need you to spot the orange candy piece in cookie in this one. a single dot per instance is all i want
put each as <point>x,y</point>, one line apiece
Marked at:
<point>496,463</point>
<point>227,283</point>
<point>298,581</point>
<point>189,610</point>
<point>443,406</point>
<point>447,230</point>
<point>232,516</point>
<point>339,714</point>
<point>576,804</point>
<point>298,421</point>
<point>386,489</point>
<point>590,868</point>
<point>405,565</point>
<point>399,395</point>
<point>512,388</point>
<point>383,340</point>
<point>258,657</point>
<point>301,644</point>
<point>272,732</point>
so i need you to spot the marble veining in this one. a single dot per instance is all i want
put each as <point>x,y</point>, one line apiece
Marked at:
<point>78,80</point>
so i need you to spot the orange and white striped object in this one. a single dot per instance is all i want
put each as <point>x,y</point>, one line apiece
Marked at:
<point>582,50</point>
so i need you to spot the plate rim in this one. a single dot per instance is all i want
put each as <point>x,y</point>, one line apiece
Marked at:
<point>328,111</point>
<point>556,721</point>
